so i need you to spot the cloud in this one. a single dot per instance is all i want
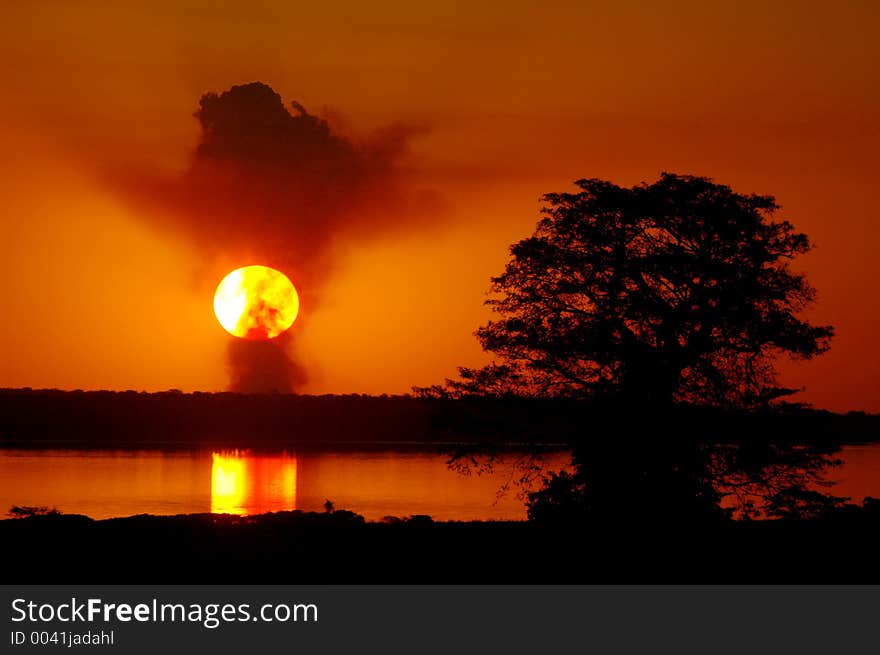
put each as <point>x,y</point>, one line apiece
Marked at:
<point>276,185</point>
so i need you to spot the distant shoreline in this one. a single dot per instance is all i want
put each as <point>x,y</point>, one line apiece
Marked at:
<point>137,420</point>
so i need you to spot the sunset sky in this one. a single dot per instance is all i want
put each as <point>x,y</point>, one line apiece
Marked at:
<point>491,105</point>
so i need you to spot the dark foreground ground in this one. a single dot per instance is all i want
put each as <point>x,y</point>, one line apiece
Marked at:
<point>339,547</point>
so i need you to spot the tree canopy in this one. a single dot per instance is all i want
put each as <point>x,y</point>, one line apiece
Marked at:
<point>679,290</point>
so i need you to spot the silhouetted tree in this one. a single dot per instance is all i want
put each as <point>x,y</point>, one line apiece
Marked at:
<point>775,479</point>
<point>676,290</point>
<point>28,511</point>
<point>640,298</point>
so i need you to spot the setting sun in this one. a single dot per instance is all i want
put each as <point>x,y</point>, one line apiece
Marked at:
<point>256,303</point>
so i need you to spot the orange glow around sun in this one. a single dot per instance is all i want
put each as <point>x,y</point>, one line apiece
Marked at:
<point>256,302</point>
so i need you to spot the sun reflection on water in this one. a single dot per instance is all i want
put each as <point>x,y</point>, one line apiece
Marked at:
<point>246,483</point>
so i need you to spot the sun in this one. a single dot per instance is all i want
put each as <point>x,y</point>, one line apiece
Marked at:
<point>256,303</point>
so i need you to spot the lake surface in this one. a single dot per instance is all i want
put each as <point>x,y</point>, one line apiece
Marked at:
<point>103,483</point>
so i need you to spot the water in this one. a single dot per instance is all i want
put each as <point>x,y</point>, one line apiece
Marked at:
<point>104,483</point>
<point>859,475</point>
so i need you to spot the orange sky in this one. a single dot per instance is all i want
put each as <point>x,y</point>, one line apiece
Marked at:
<point>517,99</point>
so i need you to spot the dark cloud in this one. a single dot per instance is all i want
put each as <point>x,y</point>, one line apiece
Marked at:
<point>275,185</point>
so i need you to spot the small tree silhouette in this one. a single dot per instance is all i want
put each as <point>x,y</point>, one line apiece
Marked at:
<point>28,511</point>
